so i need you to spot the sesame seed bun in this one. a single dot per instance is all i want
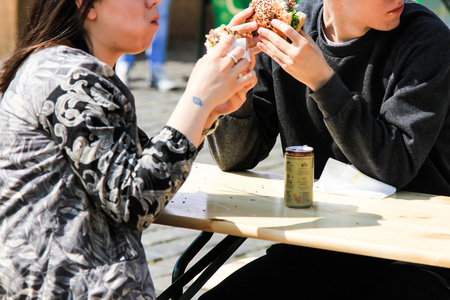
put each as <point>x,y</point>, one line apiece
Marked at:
<point>267,10</point>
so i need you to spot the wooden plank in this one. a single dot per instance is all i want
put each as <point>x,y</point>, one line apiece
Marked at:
<point>8,26</point>
<point>406,226</point>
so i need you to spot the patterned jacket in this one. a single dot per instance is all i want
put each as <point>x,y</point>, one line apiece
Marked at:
<point>79,181</point>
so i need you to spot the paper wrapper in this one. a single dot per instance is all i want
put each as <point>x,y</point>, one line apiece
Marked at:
<point>241,43</point>
<point>344,179</point>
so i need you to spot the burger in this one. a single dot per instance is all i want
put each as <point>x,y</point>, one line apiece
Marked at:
<point>267,10</point>
<point>214,36</point>
<point>264,12</point>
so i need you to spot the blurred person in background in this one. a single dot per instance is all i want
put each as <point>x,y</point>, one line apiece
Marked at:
<point>155,55</point>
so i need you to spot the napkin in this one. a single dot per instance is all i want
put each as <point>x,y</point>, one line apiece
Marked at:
<point>242,42</point>
<point>344,179</point>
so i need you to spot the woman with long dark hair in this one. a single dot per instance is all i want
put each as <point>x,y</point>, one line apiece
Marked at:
<point>79,180</point>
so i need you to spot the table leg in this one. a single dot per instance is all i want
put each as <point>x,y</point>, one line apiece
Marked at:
<point>207,266</point>
<point>187,256</point>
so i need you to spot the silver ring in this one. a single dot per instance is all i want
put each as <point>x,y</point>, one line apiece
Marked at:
<point>232,57</point>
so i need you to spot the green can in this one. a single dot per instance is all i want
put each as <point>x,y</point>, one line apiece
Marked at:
<point>298,176</point>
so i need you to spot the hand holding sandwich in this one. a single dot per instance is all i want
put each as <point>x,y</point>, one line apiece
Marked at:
<point>241,32</point>
<point>302,58</point>
<point>279,35</point>
<point>245,30</point>
<point>215,79</point>
<point>238,30</point>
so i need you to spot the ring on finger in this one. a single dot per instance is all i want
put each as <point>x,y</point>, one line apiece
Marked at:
<point>232,57</point>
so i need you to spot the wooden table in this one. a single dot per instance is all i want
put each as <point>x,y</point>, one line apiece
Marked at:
<point>407,226</point>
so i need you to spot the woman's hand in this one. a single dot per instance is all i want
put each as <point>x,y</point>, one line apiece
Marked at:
<point>217,85</point>
<point>216,77</point>
<point>237,24</point>
<point>234,102</point>
<point>302,59</point>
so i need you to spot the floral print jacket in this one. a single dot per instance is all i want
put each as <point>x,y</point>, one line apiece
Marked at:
<point>79,181</point>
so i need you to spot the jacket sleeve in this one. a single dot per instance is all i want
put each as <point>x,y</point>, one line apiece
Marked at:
<point>393,145</point>
<point>94,125</point>
<point>246,137</point>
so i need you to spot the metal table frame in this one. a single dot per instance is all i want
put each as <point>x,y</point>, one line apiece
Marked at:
<point>205,267</point>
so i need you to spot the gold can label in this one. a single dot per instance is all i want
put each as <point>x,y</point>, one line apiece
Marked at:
<point>298,176</point>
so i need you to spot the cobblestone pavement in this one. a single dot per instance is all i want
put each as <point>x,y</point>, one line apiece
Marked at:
<point>164,244</point>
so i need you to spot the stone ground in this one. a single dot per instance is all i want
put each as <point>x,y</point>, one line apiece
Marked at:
<point>164,244</point>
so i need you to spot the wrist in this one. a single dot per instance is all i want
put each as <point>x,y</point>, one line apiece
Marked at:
<point>322,81</point>
<point>211,124</point>
<point>211,119</point>
<point>189,118</point>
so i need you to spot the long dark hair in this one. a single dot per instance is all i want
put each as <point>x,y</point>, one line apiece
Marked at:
<point>50,22</point>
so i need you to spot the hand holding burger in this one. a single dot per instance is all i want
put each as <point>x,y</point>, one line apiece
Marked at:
<point>238,30</point>
<point>267,10</point>
<point>264,11</point>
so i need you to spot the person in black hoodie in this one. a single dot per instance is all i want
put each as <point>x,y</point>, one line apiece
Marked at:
<point>367,83</point>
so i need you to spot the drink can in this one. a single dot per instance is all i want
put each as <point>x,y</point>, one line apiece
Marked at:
<point>298,176</point>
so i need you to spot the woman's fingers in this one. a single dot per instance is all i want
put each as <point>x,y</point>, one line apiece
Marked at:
<point>235,56</point>
<point>222,48</point>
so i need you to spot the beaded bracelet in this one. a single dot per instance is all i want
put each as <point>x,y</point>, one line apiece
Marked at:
<point>212,129</point>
